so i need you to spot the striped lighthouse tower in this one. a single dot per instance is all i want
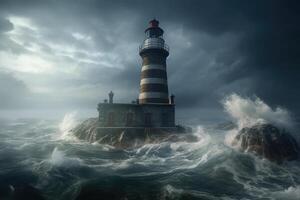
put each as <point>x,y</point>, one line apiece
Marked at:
<point>154,51</point>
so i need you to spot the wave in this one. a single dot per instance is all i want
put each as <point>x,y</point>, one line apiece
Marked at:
<point>69,122</point>
<point>59,158</point>
<point>248,112</point>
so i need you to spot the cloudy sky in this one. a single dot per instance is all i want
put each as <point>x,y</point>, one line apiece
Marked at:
<point>67,55</point>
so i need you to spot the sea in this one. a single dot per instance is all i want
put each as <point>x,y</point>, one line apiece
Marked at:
<point>41,159</point>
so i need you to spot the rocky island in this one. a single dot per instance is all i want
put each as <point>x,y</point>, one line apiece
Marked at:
<point>121,137</point>
<point>268,141</point>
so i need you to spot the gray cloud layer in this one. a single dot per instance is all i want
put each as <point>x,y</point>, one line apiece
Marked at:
<point>71,53</point>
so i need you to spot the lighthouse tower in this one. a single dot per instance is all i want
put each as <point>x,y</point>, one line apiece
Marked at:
<point>154,51</point>
<point>153,109</point>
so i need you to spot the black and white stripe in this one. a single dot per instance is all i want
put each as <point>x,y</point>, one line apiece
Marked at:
<point>154,85</point>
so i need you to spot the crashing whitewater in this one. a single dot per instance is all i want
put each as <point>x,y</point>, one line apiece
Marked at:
<point>46,156</point>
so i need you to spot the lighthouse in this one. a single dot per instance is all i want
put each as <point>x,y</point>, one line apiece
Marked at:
<point>152,109</point>
<point>154,52</point>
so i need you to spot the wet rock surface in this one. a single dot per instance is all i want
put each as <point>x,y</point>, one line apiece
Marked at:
<point>268,141</point>
<point>130,137</point>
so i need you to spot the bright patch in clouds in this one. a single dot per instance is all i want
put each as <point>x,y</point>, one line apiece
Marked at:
<point>25,63</point>
<point>80,36</point>
<point>58,65</point>
<point>31,59</point>
<point>22,22</point>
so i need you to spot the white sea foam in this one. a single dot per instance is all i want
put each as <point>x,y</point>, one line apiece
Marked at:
<point>172,192</point>
<point>59,158</point>
<point>250,111</point>
<point>167,157</point>
<point>67,124</point>
<point>229,138</point>
<point>202,139</point>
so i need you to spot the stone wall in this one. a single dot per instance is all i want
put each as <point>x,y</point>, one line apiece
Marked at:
<point>136,115</point>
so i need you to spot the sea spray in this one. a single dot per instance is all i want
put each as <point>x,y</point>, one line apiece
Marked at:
<point>67,124</point>
<point>248,112</point>
<point>260,129</point>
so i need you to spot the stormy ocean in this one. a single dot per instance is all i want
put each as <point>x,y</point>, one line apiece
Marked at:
<point>45,157</point>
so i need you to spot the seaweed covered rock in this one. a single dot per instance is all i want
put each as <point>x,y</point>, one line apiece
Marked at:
<point>268,141</point>
<point>121,137</point>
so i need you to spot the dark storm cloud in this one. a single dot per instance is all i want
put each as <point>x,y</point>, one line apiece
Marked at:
<point>217,47</point>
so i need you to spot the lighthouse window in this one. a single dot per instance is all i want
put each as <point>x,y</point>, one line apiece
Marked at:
<point>148,34</point>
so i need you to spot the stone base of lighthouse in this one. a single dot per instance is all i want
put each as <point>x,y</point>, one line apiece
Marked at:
<point>130,137</point>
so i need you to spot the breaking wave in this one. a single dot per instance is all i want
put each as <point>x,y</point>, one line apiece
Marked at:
<point>69,122</point>
<point>247,112</point>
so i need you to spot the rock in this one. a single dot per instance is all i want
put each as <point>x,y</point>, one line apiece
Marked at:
<point>268,141</point>
<point>91,131</point>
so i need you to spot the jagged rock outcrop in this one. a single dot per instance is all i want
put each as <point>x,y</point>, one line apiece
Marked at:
<point>130,137</point>
<point>268,141</point>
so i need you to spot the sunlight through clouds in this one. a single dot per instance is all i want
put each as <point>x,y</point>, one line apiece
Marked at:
<point>26,63</point>
<point>62,65</point>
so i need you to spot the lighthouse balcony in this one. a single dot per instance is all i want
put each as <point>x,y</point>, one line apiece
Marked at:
<point>154,43</point>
